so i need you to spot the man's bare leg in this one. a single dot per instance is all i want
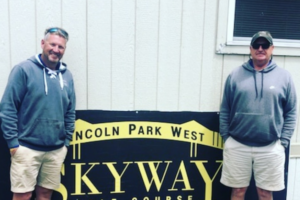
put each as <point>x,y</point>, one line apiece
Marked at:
<point>238,193</point>
<point>264,194</point>
<point>43,193</point>
<point>22,196</point>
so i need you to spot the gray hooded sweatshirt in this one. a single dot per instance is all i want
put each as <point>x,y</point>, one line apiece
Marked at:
<point>38,106</point>
<point>258,107</point>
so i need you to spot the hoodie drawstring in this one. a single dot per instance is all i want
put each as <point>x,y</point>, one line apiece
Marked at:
<point>254,76</point>
<point>45,82</point>
<point>262,84</point>
<point>61,81</point>
<point>53,75</point>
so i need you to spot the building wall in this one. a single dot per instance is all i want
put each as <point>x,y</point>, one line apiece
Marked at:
<point>136,54</point>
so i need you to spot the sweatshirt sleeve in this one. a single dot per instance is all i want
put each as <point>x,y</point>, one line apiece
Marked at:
<point>70,116</point>
<point>289,114</point>
<point>225,110</point>
<point>10,103</point>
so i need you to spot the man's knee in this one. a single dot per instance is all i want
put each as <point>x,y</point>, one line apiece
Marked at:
<point>264,194</point>
<point>43,193</point>
<point>22,196</point>
<point>239,192</point>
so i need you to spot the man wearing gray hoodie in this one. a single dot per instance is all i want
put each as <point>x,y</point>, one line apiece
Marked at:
<point>257,120</point>
<point>38,115</point>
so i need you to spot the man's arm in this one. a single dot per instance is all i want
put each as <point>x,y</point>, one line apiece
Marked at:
<point>70,116</point>
<point>10,103</point>
<point>225,111</point>
<point>289,115</point>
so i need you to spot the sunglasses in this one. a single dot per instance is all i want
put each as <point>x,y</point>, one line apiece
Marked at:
<point>53,30</point>
<point>264,46</point>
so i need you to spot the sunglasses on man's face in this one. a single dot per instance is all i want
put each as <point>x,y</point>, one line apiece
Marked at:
<point>264,46</point>
<point>52,30</point>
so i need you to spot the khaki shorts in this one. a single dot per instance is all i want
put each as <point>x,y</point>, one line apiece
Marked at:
<point>267,163</point>
<point>30,167</point>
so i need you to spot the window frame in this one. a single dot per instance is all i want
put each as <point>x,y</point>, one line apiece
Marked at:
<point>236,45</point>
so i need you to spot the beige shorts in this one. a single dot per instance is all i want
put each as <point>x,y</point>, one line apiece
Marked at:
<point>30,167</point>
<point>267,163</point>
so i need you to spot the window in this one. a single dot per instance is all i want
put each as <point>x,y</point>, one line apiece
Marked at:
<point>281,18</point>
<point>245,17</point>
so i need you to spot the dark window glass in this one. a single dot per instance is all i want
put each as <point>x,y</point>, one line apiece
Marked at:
<point>280,17</point>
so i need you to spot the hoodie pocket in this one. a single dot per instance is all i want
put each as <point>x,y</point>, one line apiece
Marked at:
<point>253,127</point>
<point>46,132</point>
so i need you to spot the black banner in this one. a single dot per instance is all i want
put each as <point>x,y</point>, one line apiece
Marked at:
<point>141,155</point>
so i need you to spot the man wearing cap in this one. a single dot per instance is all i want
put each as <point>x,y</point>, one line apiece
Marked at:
<point>38,114</point>
<point>257,120</point>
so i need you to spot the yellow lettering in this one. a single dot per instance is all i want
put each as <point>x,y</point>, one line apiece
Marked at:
<point>84,178</point>
<point>154,174</point>
<point>206,178</point>
<point>184,179</point>
<point>117,177</point>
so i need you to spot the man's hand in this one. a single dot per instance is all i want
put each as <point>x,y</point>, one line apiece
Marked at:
<point>13,151</point>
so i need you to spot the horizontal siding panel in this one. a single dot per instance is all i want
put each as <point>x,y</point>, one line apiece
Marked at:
<point>22,18</point>
<point>211,65</point>
<point>123,47</point>
<point>191,54</point>
<point>99,54</point>
<point>168,54</point>
<point>146,54</point>
<point>74,21</point>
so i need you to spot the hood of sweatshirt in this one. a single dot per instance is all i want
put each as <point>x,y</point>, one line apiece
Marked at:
<point>62,67</point>
<point>249,66</point>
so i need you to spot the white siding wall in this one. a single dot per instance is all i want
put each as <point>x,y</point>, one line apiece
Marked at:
<point>294,179</point>
<point>135,54</point>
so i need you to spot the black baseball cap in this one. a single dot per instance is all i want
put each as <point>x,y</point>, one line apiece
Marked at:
<point>262,34</point>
